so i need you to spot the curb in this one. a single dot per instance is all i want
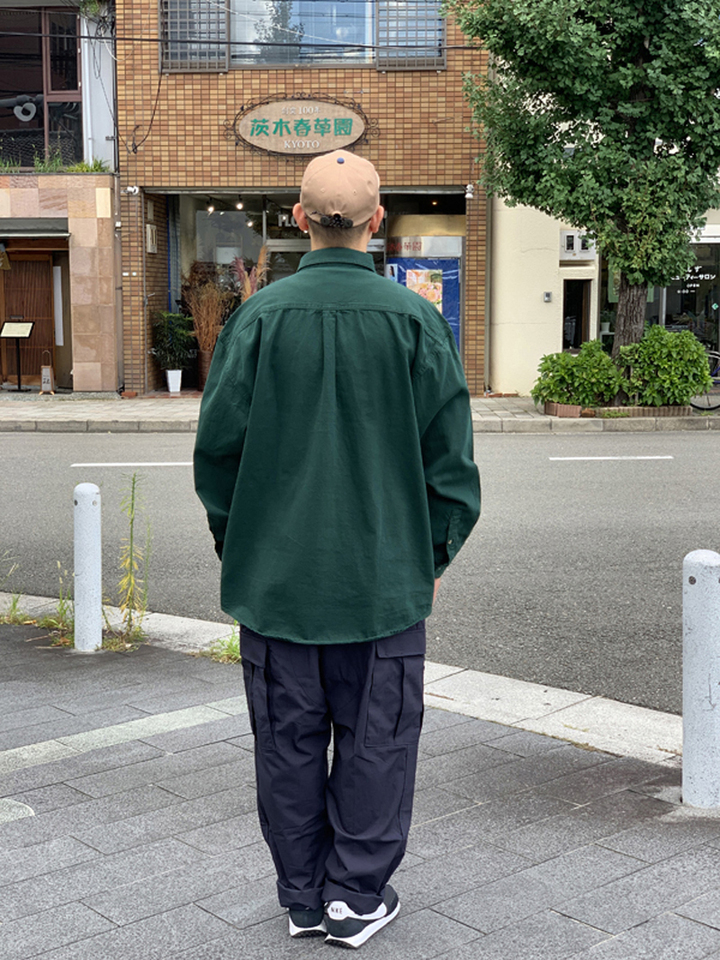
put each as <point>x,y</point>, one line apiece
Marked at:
<point>98,426</point>
<point>588,721</point>
<point>595,424</point>
<point>487,425</point>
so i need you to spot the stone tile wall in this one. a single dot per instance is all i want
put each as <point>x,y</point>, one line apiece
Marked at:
<point>87,200</point>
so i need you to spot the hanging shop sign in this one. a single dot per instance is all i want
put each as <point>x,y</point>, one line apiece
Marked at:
<point>301,126</point>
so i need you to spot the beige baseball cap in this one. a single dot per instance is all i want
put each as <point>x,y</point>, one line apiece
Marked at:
<point>340,189</point>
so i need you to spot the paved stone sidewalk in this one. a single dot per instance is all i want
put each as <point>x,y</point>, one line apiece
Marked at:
<point>154,413</point>
<point>130,831</point>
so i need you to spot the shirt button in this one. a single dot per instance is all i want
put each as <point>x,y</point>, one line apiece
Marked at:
<point>449,542</point>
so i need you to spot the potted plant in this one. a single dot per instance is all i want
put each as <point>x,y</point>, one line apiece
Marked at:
<point>173,346</point>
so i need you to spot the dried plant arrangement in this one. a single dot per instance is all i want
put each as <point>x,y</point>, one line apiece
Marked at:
<point>208,304</point>
<point>250,281</point>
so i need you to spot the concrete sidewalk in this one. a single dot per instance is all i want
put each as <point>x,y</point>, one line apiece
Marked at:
<point>128,828</point>
<point>154,413</point>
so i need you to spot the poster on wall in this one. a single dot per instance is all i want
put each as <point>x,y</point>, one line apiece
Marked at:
<point>437,281</point>
<point>428,283</point>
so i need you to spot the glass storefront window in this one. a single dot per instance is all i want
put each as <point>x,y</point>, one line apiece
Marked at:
<point>225,234</point>
<point>688,303</point>
<point>212,240</point>
<point>693,302</point>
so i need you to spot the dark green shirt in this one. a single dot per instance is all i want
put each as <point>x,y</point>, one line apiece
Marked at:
<point>334,454</point>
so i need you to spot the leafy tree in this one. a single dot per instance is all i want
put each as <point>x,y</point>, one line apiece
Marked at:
<point>605,114</point>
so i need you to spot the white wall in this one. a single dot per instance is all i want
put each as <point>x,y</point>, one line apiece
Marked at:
<point>98,79</point>
<point>525,264</point>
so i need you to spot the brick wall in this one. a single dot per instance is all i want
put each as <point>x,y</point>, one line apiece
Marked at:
<point>423,142</point>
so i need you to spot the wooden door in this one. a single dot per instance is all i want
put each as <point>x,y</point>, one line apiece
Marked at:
<point>27,294</point>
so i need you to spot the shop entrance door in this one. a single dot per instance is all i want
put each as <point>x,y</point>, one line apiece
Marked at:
<point>26,293</point>
<point>576,313</point>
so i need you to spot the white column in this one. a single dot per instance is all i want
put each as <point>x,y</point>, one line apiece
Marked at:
<point>701,679</point>
<point>88,568</point>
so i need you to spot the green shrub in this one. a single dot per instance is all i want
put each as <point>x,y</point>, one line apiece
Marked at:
<point>173,340</point>
<point>598,380</point>
<point>589,378</point>
<point>665,368</point>
<point>556,382</point>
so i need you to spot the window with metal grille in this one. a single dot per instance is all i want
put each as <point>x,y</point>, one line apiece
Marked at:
<point>217,34</point>
<point>409,35</point>
<point>195,35</point>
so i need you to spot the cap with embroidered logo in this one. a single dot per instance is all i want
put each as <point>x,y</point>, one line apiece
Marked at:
<point>340,189</point>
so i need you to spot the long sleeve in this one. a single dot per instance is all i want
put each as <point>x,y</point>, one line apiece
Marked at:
<point>451,476</point>
<point>221,432</point>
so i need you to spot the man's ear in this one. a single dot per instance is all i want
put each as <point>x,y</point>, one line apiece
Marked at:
<point>376,219</point>
<point>300,217</point>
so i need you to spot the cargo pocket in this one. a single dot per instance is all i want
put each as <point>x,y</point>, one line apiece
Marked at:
<point>253,651</point>
<point>395,698</point>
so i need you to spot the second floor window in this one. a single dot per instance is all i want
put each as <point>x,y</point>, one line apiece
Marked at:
<point>389,34</point>
<point>40,97</point>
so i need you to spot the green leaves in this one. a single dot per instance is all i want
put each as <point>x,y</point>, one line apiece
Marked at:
<point>665,368</point>
<point>632,89</point>
<point>589,378</point>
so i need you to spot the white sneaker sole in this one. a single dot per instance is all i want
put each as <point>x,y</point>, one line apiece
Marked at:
<point>360,938</point>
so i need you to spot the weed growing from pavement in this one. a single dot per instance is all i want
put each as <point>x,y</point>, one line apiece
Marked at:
<point>62,622</point>
<point>227,649</point>
<point>14,613</point>
<point>133,583</point>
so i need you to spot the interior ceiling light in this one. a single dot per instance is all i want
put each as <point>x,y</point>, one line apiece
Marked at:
<point>249,223</point>
<point>210,206</point>
<point>239,204</point>
<point>434,203</point>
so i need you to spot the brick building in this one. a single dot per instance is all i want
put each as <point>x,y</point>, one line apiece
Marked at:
<point>59,249</point>
<point>219,109</point>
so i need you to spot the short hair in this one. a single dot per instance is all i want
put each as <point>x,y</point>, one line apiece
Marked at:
<point>336,236</point>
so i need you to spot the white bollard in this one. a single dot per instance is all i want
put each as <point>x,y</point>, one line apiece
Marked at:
<point>88,568</point>
<point>701,679</point>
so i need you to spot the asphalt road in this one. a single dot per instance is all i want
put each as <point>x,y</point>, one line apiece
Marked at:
<point>572,577</point>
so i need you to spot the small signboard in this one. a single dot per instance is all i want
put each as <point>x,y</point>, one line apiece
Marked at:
<point>21,329</point>
<point>17,329</point>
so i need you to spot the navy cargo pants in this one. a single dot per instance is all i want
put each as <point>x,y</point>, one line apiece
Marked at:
<point>336,835</point>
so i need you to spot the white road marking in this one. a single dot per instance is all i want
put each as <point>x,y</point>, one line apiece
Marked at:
<point>611,458</point>
<point>178,463</point>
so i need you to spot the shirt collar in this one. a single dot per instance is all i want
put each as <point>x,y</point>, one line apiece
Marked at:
<point>337,255</point>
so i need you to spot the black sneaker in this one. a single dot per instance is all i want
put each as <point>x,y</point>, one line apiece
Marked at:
<point>348,929</point>
<point>307,923</point>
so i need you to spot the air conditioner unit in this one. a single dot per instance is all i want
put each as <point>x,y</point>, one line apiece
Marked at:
<point>575,245</point>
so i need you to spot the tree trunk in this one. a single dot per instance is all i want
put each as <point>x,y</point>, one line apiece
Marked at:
<point>630,319</point>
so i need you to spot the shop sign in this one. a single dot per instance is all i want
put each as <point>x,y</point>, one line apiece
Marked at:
<point>301,126</point>
<point>442,246</point>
